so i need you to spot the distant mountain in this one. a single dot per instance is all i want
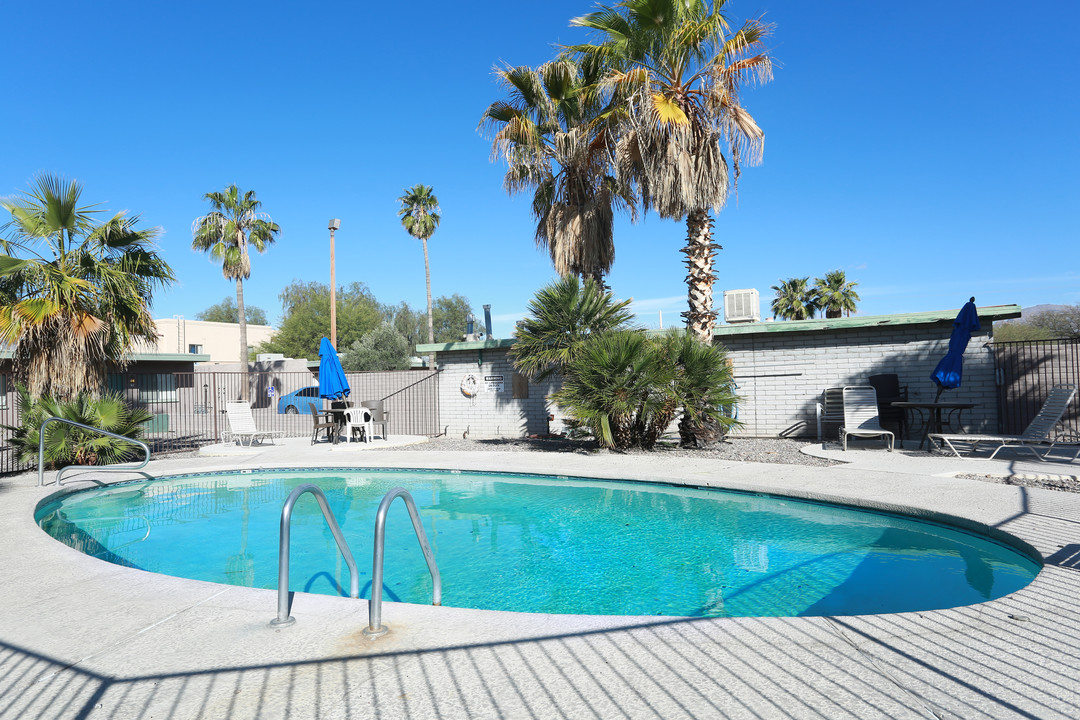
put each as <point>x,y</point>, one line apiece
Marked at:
<point>1034,310</point>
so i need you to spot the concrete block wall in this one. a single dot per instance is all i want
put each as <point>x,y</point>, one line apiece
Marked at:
<point>491,412</point>
<point>781,375</point>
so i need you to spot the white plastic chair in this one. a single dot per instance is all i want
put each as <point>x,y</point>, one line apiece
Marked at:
<point>861,415</point>
<point>358,418</point>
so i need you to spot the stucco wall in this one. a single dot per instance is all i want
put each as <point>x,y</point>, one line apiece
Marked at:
<point>221,341</point>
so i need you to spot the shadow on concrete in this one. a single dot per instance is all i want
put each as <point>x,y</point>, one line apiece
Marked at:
<point>889,666</point>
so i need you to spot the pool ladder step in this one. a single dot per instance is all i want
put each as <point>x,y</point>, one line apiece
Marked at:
<point>375,627</point>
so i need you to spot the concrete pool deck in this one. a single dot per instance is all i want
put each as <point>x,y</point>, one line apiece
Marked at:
<point>80,638</point>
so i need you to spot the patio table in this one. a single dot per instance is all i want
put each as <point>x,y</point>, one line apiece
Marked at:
<point>930,415</point>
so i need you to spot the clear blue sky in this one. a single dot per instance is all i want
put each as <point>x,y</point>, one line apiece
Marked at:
<point>928,149</point>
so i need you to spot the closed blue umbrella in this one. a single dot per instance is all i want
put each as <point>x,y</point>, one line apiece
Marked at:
<point>332,382</point>
<point>948,372</point>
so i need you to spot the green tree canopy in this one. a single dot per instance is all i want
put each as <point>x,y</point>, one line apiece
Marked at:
<point>448,320</point>
<point>75,294</point>
<point>383,348</point>
<point>306,320</point>
<point>225,312</point>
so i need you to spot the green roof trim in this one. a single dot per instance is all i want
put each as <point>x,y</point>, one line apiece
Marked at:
<point>474,345</point>
<point>986,314</point>
<point>990,313</point>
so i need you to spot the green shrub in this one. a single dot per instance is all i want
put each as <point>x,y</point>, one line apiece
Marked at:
<point>627,388</point>
<point>69,445</point>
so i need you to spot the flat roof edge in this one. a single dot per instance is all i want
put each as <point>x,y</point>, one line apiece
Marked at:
<point>988,313</point>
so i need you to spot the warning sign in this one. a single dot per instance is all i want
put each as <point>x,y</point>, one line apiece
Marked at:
<point>493,383</point>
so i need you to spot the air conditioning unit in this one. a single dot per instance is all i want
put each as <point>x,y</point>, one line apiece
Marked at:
<point>741,306</point>
<point>269,357</point>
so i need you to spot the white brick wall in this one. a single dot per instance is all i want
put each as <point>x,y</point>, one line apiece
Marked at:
<point>489,414</point>
<point>781,376</point>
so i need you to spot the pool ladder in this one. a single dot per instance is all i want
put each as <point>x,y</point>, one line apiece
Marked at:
<point>375,627</point>
<point>100,468</point>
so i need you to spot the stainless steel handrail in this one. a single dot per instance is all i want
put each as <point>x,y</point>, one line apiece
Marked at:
<point>283,617</point>
<point>101,468</point>
<point>375,627</point>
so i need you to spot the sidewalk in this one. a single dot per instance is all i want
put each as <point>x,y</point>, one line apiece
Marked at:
<point>80,638</point>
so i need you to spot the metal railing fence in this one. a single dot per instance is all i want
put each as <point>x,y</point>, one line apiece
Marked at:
<point>188,408</point>
<point>1026,370</point>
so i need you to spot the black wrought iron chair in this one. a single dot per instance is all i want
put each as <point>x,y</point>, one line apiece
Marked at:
<point>889,391</point>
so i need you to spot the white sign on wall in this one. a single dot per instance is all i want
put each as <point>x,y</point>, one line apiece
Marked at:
<point>493,383</point>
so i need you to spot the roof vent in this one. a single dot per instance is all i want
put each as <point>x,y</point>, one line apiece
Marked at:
<point>741,306</point>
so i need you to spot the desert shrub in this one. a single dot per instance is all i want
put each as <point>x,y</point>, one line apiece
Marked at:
<point>69,445</point>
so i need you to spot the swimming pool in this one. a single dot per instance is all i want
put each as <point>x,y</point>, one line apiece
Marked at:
<point>546,544</point>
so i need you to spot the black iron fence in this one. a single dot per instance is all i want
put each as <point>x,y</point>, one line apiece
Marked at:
<point>1026,370</point>
<point>188,408</point>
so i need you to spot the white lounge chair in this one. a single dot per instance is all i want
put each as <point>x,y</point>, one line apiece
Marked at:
<point>861,415</point>
<point>1037,435</point>
<point>242,425</point>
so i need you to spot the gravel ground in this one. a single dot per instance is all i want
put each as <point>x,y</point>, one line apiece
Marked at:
<point>764,450</point>
<point>1066,483</point>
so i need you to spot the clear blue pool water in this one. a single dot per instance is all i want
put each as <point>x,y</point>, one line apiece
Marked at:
<point>546,544</point>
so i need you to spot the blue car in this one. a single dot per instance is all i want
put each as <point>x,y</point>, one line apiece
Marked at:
<point>297,401</point>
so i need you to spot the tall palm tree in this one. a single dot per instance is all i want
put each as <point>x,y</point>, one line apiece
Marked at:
<point>234,224</point>
<point>835,294</point>
<point>74,294</point>
<point>556,137</point>
<point>420,217</point>
<point>678,70</point>
<point>795,299</point>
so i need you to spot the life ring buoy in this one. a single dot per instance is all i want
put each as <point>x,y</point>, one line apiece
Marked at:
<point>470,386</point>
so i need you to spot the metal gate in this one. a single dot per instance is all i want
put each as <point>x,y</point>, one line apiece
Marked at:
<point>1026,370</point>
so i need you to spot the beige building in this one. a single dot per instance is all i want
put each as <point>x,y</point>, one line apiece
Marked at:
<point>221,341</point>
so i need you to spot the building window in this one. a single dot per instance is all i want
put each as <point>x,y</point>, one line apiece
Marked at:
<point>194,349</point>
<point>158,388</point>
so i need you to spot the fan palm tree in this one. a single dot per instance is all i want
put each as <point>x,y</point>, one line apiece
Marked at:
<point>76,294</point>
<point>677,69</point>
<point>420,217</point>
<point>555,136</point>
<point>795,299</point>
<point>234,224</point>
<point>835,294</point>
<point>562,316</point>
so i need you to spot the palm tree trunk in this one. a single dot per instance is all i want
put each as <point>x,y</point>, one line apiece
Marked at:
<point>700,252</point>
<point>430,319</point>
<point>245,392</point>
